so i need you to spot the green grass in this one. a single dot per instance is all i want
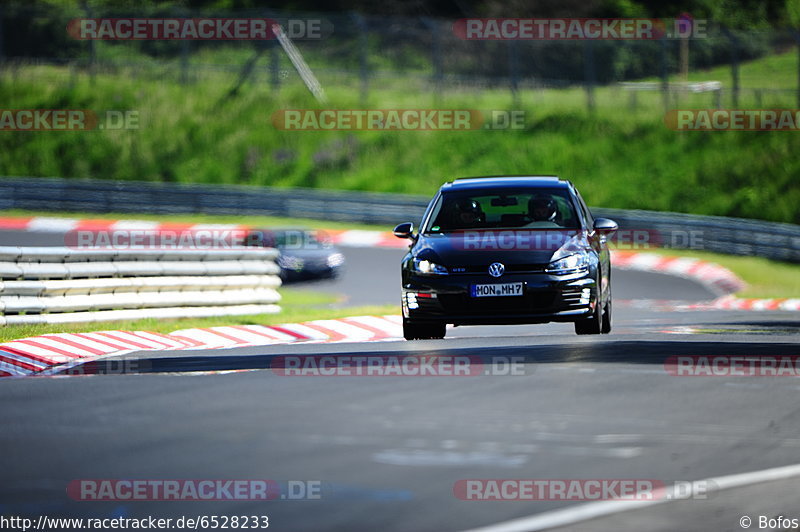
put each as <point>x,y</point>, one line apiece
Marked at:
<point>774,71</point>
<point>617,155</point>
<point>765,278</point>
<point>296,306</point>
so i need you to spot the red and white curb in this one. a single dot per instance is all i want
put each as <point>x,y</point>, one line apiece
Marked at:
<point>735,303</point>
<point>721,303</point>
<point>718,279</point>
<point>51,353</point>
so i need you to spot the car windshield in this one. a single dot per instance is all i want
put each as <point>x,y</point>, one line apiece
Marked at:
<point>506,209</point>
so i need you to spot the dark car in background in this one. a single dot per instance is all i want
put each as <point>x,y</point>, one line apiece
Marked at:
<point>506,250</point>
<point>304,255</point>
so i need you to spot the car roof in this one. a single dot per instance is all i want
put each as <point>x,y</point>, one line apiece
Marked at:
<point>506,181</point>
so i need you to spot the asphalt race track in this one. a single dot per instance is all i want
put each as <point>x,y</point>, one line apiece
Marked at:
<point>388,451</point>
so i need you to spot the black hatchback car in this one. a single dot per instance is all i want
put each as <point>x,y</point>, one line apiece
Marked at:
<point>506,250</point>
<point>304,255</point>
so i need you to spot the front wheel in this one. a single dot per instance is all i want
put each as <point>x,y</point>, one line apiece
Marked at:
<point>423,331</point>
<point>593,324</point>
<point>606,328</point>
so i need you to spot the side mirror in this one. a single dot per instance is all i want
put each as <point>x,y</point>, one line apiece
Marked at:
<point>605,226</point>
<point>404,230</point>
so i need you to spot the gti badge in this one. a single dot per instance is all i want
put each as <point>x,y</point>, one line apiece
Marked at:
<point>496,269</point>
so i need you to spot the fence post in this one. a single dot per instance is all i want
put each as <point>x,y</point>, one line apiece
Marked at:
<point>436,58</point>
<point>735,73</point>
<point>2,55</point>
<point>734,65</point>
<point>184,76</point>
<point>684,58</point>
<point>589,73</point>
<point>664,73</point>
<point>273,48</point>
<point>274,66</point>
<point>363,50</point>
<point>513,70</point>
<point>633,100</point>
<point>92,48</point>
<point>184,62</point>
<point>797,39</point>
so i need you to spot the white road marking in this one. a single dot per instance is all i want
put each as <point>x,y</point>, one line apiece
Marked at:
<point>52,225</point>
<point>429,458</point>
<point>592,510</point>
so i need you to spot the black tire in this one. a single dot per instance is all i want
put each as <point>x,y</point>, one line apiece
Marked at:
<point>423,331</point>
<point>606,328</point>
<point>593,324</point>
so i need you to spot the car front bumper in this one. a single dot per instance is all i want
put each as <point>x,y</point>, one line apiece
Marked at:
<point>545,298</point>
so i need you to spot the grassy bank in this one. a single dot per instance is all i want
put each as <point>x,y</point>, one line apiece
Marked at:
<point>618,155</point>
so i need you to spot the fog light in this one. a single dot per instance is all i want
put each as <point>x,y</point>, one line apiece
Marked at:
<point>586,295</point>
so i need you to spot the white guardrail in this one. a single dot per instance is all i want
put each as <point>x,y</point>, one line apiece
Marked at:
<point>695,86</point>
<point>65,285</point>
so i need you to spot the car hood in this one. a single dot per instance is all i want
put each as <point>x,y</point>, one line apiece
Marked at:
<point>477,248</point>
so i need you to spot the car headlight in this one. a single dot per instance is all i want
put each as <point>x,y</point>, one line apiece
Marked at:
<point>576,263</point>
<point>335,260</point>
<point>571,257</point>
<point>426,267</point>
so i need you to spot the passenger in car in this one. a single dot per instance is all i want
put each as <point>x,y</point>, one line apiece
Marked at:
<point>468,214</point>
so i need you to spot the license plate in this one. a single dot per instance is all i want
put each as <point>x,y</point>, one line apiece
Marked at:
<point>494,290</point>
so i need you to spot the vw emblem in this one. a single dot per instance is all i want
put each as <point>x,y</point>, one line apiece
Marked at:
<point>496,269</point>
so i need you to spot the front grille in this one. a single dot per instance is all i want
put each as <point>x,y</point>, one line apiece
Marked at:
<point>525,268</point>
<point>464,304</point>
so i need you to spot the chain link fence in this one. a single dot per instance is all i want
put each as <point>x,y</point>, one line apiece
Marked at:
<point>361,54</point>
